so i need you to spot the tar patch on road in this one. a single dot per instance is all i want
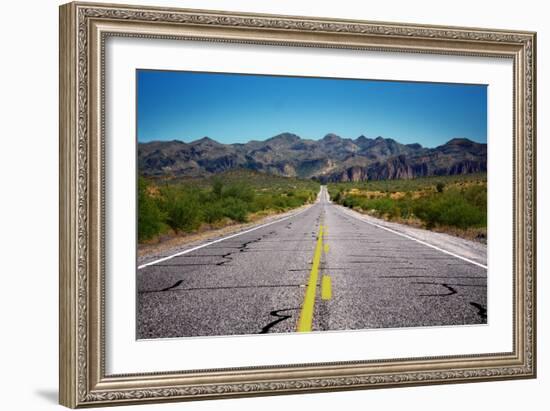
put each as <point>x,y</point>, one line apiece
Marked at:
<point>481,310</point>
<point>280,317</point>
<point>176,284</point>
<point>452,290</point>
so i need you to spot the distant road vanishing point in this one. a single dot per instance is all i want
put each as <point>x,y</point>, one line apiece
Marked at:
<point>321,268</point>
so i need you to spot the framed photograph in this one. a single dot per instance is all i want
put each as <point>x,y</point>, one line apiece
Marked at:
<point>259,204</point>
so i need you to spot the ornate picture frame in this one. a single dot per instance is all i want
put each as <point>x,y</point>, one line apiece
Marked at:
<point>84,29</point>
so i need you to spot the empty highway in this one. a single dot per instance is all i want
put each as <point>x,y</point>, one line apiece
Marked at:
<point>322,268</point>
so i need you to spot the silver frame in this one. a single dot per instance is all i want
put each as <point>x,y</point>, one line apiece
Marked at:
<point>84,27</point>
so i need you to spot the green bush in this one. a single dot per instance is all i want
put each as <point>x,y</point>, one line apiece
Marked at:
<point>446,206</point>
<point>213,212</point>
<point>450,208</point>
<point>240,191</point>
<point>261,202</point>
<point>150,218</point>
<point>184,205</point>
<point>217,187</point>
<point>477,196</point>
<point>338,196</point>
<point>235,208</point>
<point>182,208</point>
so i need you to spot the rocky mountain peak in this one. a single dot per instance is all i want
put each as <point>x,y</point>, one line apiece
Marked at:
<point>331,138</point>
<point>284,137</point>
<point>332,158</point>
<point>459,141</point>
<point>362,139</point>
<point>205,141</point>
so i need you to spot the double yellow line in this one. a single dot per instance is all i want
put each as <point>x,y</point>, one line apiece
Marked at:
<point>306,315</point>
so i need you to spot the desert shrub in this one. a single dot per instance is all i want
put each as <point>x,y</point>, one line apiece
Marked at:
<point>406,207</point>
<point>384,205</point>
<point>150,217</point>
<point>450,208</point>
<point>182,207</point>
<point>212,211</point>
<point>476,195</point>
<point>186,204</point>
<point>261,202</point>
<point>235,208</point>
<point>239,191</point>
<point>217,187</point>
<point>281,201</point>
<point>456,206</point>
<point>351,201</point>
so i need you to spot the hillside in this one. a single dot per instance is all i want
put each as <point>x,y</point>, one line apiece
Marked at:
<point>330,159</point>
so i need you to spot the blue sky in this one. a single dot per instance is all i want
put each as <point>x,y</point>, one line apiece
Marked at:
<point>236,108</point>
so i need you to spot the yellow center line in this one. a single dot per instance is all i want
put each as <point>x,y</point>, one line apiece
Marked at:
<point>306,315</point>
<point>326,284</point>
<point>326,287</point>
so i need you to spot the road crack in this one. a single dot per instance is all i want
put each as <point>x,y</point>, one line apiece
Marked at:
<point>452,290</point>
<point>280,317</point>
<point>227,256</point>
<point>176,284</point>
<point>227,259</point>
<point>481,310</point>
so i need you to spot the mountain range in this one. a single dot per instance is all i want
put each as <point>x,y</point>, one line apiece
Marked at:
<point>330,159</point>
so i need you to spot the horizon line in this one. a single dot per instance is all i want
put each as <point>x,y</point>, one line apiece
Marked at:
<point>305,138</point>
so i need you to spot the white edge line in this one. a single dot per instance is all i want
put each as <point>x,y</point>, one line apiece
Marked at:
<point>220,239</point>
<point>414,239</point>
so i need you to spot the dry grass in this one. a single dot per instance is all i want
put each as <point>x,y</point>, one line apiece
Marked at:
<point>422,203</point>
<point>474,234</point>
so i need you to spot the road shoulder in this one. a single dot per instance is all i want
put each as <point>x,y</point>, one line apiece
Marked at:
<point>466,248</point>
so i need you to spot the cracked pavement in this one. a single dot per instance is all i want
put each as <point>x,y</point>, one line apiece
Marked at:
<point>255,282</point>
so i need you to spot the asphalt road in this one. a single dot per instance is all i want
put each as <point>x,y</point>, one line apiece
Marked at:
<point>323,268</point>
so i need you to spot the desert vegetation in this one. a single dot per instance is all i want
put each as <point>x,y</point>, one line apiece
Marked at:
<point>455,204</point>
<point>172,206</point>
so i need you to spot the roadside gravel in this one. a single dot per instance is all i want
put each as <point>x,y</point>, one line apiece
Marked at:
<point>472,250</point>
